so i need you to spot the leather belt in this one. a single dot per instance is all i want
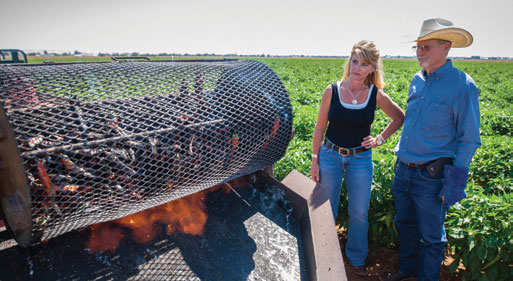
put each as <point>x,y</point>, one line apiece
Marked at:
<point>344,151</point>
<point>418,166</point>
<point>442,161</point>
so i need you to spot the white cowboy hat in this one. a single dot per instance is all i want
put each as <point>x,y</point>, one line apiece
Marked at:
<point>443,29</point>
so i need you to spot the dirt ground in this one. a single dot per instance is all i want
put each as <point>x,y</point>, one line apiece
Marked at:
<point>383,260</point>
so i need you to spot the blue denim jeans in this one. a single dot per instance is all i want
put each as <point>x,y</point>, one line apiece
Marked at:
<point>419,220</point>
<point>357,170</point>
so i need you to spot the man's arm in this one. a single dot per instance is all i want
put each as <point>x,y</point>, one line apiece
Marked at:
<point>467,125</point>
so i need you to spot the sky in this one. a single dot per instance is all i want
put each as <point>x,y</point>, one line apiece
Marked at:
<point>274,27</point>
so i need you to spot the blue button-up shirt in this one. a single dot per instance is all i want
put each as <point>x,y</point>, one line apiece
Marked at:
<point>442,118</point>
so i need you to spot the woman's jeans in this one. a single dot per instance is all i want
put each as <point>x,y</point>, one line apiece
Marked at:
<point>357,169</point>
<point>419,220</point>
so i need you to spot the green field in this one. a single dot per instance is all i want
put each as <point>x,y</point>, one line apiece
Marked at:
<point>479,228</point>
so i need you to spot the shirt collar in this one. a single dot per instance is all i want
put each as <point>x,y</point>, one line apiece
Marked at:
<point>441,70</point>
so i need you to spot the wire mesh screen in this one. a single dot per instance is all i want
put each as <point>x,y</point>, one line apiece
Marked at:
<point>100,141</point>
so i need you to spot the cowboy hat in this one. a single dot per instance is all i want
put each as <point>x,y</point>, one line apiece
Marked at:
<point>443,29</point>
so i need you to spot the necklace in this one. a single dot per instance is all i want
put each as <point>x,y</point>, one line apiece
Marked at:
<point>354,97</point>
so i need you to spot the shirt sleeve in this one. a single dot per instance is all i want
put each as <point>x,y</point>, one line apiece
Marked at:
<point>467,125</point>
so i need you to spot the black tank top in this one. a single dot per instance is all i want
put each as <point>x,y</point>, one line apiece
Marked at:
<point>347,127</point>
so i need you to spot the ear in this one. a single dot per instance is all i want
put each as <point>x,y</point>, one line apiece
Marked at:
<point>446,47</point>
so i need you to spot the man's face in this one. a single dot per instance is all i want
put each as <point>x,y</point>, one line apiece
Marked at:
<point>432,54</point>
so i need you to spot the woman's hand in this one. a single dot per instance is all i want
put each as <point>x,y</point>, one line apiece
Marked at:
<point>314,172</point>
<point>369,142</point>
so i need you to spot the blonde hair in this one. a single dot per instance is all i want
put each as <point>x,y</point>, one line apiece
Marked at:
<point>367,52</point>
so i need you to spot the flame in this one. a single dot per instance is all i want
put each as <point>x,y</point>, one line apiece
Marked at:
<point>186,215</point>
<point>104,236</point>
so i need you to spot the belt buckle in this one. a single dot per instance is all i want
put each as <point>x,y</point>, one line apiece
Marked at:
<point>344,151</point>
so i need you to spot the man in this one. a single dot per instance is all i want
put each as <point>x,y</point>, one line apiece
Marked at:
<point>440,136</point>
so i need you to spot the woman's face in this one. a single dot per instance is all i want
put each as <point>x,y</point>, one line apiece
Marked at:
<point>359,70</point>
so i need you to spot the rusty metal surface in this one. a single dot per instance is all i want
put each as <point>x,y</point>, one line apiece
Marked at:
<point>100,141</point>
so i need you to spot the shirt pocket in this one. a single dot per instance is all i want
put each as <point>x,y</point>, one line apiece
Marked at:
<point>436,117</point>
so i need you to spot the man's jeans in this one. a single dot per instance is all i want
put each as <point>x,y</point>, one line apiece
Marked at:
<point>358,175</point>
<point>419,220</point>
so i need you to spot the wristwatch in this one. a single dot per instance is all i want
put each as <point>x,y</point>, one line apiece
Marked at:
<point>380,139</point>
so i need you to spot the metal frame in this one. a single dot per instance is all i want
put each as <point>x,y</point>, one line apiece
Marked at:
<point>82,167</point>
<point>15,56</point>
<point>14,190</point>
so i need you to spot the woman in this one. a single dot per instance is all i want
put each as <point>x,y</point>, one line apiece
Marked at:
<point>344,148</point>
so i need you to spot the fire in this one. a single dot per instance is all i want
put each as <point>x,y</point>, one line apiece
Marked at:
<point>105,237</point>
<point>186,215</point>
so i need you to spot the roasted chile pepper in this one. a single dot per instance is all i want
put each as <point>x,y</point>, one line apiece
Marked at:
<point>47,185</point>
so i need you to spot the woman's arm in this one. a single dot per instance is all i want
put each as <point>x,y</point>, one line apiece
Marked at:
<point>320,129</point>
<point>393,111</point>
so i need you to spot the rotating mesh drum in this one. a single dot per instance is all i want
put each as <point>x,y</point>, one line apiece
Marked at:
<point>100,141</point>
